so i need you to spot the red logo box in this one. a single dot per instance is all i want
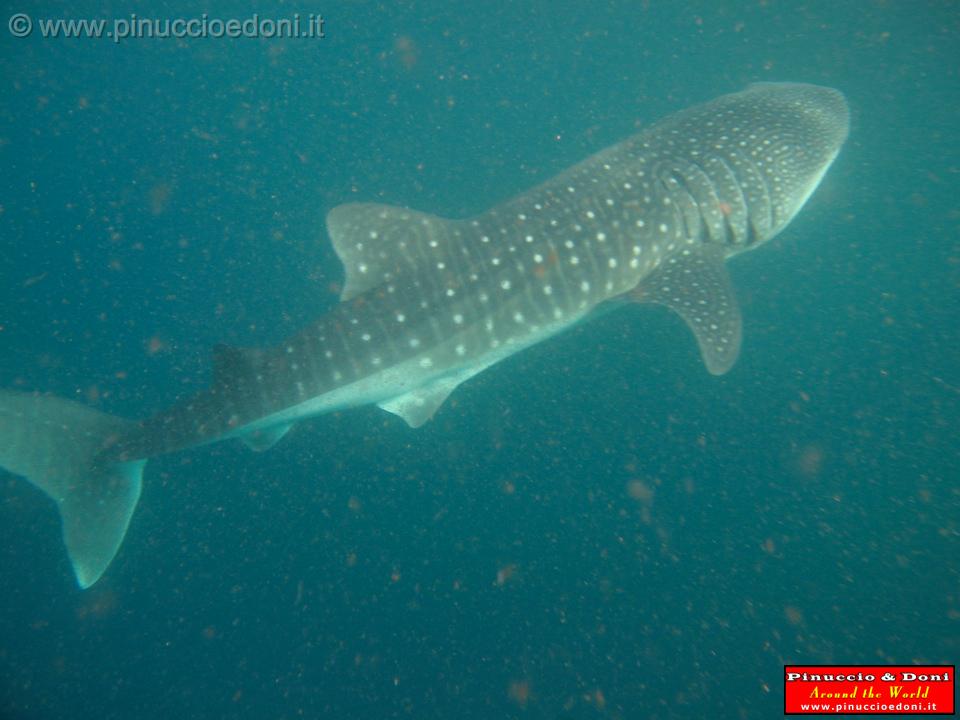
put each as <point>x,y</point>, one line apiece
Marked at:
<point>868,689</point>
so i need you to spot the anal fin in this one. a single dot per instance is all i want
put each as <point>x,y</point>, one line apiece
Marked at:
<point>696,286</point>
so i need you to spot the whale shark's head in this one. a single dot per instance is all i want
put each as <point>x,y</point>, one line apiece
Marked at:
<point>739,168</point>
<point>795,133</point>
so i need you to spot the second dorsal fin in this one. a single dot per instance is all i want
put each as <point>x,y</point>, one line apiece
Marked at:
<point>230,363</point>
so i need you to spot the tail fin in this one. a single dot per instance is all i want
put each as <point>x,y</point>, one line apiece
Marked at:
<point>55,444</point>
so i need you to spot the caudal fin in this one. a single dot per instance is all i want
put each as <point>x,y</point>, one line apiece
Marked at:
<point>55,444</point>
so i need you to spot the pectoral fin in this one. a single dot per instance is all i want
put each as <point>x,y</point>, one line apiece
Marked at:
<point>696,286</point>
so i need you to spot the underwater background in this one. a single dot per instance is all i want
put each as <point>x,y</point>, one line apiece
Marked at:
<point>593,528</point>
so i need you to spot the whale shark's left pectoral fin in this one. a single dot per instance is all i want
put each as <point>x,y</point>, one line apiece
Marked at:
<point>696,286</point>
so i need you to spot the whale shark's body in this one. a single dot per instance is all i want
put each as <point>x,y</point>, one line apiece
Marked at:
<point>429,302</point>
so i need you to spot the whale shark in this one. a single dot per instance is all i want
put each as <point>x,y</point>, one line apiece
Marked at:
<point>429,302</point>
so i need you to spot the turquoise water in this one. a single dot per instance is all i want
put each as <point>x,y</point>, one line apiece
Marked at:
<point>593,528</point>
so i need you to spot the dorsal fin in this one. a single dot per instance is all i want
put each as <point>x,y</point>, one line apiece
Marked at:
<point>379,243</point>
<point>696,286</point>
<point>231,362</point>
